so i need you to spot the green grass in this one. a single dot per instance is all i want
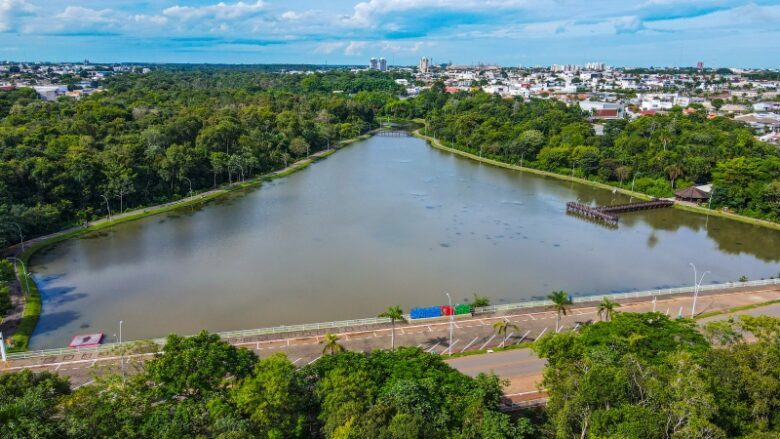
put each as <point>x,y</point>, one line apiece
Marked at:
<point>736,309</point>
<point>32,306</point>
<point>524,345</point>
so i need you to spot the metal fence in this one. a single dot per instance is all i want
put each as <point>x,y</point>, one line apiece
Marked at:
<point>287,329</point>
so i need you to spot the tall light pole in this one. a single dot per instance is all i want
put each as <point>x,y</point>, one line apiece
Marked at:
<point>190,182</point>
<point>452,321</point>
<point>121,352</point>
<point>696,285</point>
<point>21,237</point>
<point>108,206</point>
<point>24,274</point>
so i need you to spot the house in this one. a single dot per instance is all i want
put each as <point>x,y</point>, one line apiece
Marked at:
<point>693,194</point>
<point>761,122</point>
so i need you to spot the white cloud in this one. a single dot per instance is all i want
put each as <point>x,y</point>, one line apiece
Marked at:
<point>738,17</point>
<point>219,11</point>
<point>355,48</point>
<point>78,14</point>
<point>329,47</point>
<point>10,10</point>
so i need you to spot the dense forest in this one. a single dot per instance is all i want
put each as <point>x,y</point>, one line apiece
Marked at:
<point>632,376</point>
<point>147,138</point>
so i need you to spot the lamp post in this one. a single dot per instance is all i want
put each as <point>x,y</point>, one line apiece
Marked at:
<point>452,317</point>
<point>24,274</point>
<point>190,183</point>
<point>21,237</point>
<point>121,352</point>
<point>108,206</point>
<point>696,285</point>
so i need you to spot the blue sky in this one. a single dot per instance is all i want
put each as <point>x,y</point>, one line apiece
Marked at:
<point>508,32</point>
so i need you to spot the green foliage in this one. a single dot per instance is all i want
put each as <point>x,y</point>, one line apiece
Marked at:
<point>226,392</point>
<point>139,142</point>
<point>28,404</point>
<point>661,151</point>
<point>646,376</point>
<point>480,301</point>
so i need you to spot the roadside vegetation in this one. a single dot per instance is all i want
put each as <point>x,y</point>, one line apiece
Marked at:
<point>203,387</point>
<point>636,375</point>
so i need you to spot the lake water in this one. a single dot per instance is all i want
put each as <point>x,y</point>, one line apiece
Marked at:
<point>388,221</point>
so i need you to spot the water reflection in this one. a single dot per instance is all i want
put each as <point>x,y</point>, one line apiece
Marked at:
<point>388,221</point>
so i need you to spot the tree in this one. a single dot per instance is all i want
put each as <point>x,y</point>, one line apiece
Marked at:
<point>674,172</point>
<point>480,301</point>
<point>274,398</point>
<point>561,302</point>
<point>394,313</point>
<point>606,308</point>
<point>623,172</point>
<point>331,342</point>
<point>501,327</point>
<point>28,404</point>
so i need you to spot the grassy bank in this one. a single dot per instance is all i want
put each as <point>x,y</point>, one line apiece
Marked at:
<point>695,209</point>
<point>32,306</point>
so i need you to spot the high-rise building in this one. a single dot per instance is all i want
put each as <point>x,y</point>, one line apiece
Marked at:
<point>424,65</point>
<point>373,64</point>
<point>382,64</point>
<point>700,65</point>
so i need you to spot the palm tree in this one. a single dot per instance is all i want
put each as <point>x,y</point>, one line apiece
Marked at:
<point>674,172</point>
<point>502,326</point>
<point>560,304</point>
<point>331,343</point>
<point>606,309</point>
<point>394,313</point>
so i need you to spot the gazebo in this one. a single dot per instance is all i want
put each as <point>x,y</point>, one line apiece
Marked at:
<point>692,194</point>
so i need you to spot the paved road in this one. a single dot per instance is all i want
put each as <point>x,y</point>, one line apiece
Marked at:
<point>524,370</point>
<point>470,333</point>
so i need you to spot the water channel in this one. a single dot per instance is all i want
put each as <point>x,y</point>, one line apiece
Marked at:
<point>388,221</point>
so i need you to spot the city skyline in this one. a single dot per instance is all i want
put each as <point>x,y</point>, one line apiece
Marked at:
<point>723,33</point>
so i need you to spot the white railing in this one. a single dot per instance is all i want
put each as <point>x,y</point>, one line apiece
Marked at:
<point>384,320</point>
<point>628,295</point>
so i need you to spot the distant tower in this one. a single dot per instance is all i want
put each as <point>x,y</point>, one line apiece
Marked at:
<point>373,64</point>
<point>382,64</point>
<point>700,65</point>
<point>424,63</point>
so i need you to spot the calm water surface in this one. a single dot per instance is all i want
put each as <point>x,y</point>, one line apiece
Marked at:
<point>384,222</point>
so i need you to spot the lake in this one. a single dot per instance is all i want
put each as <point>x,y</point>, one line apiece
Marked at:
<point>388,221</point>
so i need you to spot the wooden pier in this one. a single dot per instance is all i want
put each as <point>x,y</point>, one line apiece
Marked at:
<point>392,133</point>
<point>590,212</point>
<point>633,207</point>
<point>607,214</point>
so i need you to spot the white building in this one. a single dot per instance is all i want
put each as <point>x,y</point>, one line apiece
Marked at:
<point>424,65</point>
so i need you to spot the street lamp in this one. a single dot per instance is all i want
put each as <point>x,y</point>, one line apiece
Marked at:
<point>121,352</point>
<point>24,275</point>
<point>696,285</point>
<point>21,237</point>
<point>452,317</point>
<point>190,182</point>
<point>108,206</point>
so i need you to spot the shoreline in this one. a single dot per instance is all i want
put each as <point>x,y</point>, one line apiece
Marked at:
<point>677,205</point>
<point>33,302</point>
